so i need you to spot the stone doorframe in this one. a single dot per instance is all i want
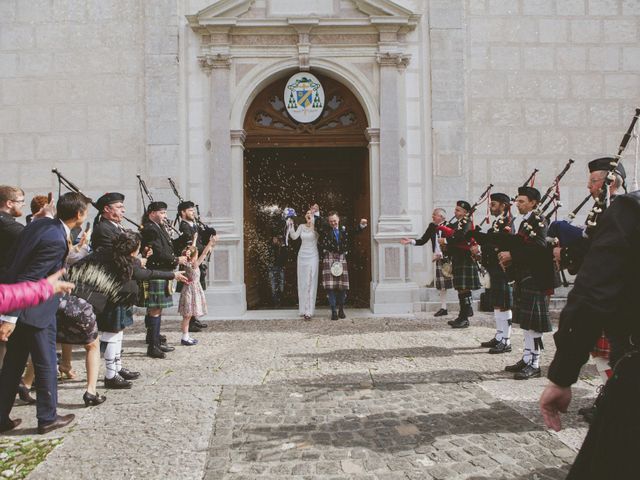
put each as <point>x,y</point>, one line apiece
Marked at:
<point>381,95</point>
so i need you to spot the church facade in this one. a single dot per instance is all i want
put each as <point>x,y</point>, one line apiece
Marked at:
<point>425,103</point>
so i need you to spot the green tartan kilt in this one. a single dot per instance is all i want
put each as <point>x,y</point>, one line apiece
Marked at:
<point>115,318</point>
<point>531,307</point>
<point>500,293</point>
<point>156,294</point>
<point>465,272</point>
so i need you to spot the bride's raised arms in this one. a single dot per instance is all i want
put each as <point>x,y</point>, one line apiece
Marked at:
<point>292,232</point>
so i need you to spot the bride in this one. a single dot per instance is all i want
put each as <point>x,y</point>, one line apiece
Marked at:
<point>308,264</point>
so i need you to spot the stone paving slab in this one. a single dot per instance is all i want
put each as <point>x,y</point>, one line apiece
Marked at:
<point>376,398</point>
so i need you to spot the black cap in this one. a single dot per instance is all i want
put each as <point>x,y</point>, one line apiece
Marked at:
<point>156,206</point>
<point>184,205</point>
<point>530,192</point>
<point>604,163</point>
<point>463,204</point>
<point>108,199</point>
<point>500,197</point>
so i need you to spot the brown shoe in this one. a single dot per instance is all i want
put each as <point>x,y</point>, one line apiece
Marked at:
<point>9,425</point>
<point>59,422</point>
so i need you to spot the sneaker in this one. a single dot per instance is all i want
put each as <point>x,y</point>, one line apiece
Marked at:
<point>189,342</point>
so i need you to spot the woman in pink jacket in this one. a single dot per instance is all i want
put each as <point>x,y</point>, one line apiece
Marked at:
<point>28,294</point>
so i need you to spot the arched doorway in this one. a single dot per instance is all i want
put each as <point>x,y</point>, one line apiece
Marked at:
<point>287,164</point>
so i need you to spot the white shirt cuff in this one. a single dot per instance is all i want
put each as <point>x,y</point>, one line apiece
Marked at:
<point>8,319</point>
<point>413,242</point>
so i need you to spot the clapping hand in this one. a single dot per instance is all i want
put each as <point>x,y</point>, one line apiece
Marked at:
<point>49,210</point>
<point>60,286</point>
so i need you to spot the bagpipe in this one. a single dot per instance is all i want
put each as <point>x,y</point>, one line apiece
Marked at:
<point>62,180</point>
<point>204,231</point>
<point>144,191</point>
<point>464,221</point>
<point>603,199</point>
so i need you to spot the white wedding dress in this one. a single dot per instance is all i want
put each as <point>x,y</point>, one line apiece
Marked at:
<point>308,265</point>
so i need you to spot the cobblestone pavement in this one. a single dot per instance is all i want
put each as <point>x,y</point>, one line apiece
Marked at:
<point>365,398</point>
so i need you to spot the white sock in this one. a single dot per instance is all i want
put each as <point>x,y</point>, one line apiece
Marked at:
<point>499,326</point>
<point>603,367</point>
<point>528,346</point>
<point>185,336</point>
<point>443,299</point>
<point>110,354</point>
<point>535,349</point>
<point>119,355</point>
<point>504,318</point>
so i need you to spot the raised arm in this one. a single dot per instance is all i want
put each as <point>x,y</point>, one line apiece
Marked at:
<point>294,234</point>
<point>206,250</point>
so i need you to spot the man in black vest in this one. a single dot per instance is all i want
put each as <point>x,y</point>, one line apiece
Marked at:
<point>108,223</point>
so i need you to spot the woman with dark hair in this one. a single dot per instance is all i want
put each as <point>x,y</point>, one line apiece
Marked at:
<point>122,262</point>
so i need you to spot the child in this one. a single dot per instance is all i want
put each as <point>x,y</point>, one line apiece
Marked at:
<point>192,300</point>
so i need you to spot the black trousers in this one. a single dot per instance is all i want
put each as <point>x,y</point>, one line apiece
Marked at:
<point>612,446</point>
<point>41,344</point>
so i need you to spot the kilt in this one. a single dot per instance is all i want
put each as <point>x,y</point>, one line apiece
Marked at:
<point>115,318</point>
<point>442,282</point>
<point>329,282</point>
<point>156,294</point>
<point>500,293</point>
<point>465,272</point>
<point>531,307</point>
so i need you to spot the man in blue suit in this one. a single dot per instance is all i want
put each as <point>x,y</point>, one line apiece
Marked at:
<point>41,250</point>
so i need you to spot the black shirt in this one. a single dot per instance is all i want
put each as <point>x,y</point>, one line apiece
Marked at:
<point>9,231</point>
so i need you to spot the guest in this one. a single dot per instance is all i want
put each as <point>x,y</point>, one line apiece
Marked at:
<point>40,251</point>
<point>278,256</point>
<point>193,303</point>
<point>19,296</point>
<point>37,204</point>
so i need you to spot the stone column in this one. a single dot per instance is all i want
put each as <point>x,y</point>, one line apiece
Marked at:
<point>393,290</point>
<point>226,291</point>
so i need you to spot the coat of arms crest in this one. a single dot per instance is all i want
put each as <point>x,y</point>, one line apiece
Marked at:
<point>304,97</point>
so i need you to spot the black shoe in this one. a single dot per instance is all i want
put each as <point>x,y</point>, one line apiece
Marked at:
<point>93,400</point>
<point>59,422</point>
<point>128,374</point>
<point>194,328</point>
<point>490,344</point>
<point>516,367</point>
<point>341,313</point>
<point>460,323</point>
<point>9,425</point>
<point>334,315</point>
<point>200,324</point>
<point>117,383</point>
<point>155,352</point>
<point>588,413</point>
<point>502,347</point>
<point>441,313</point>
<point>25,396</point>
<point>528,372</point>
<point>166,348</point>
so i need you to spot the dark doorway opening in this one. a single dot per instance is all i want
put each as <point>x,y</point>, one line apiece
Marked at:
<point>337,178</point>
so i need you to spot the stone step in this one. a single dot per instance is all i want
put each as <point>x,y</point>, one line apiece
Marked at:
<point>556,303</point>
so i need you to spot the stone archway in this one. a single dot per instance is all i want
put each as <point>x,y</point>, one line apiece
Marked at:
<point>291,164</point>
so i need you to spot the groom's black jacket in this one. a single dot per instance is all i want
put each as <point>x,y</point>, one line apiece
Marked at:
<point>327,241</point>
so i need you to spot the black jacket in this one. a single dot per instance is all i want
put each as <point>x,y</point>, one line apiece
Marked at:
<point>531,257</point>
<point>430,234</point>
<point>156,237</point>
<point>9,231</point>
<point>604,293</point>
<point>327,240</point>
<point>103,234</point>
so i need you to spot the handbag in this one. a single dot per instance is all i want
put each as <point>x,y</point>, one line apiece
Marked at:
<point>76,321</point>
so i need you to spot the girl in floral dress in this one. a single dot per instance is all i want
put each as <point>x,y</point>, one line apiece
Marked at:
<point>192,300</point>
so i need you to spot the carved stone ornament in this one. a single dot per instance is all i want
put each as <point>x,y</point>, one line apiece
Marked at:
<point>219,60</point>
<point>399,60</point>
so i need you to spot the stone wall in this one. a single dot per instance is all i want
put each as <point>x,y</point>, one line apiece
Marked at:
<point>72,94</point>
<point>548,80</point>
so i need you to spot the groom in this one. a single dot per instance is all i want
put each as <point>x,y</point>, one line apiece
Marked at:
<point>334,246</point>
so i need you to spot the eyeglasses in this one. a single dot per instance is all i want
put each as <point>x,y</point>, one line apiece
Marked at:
<point>21,202</point>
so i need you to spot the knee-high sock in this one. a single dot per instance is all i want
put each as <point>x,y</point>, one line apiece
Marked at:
<point>119,354</point>
<point>537,348</point>
<point>499,326</point>
<point>443,298</point>
<point>504,321</point>
<point>110,354</point>
<point>528,346</point>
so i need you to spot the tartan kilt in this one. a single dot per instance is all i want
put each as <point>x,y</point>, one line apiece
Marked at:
<point>442,282</point>
<point>115,318</point>
<point>531,307</point>
<point>465,273</point>
<point>156,293</point>
<point>329,282</point>
<point>500,293</point>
